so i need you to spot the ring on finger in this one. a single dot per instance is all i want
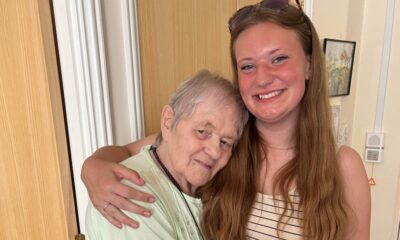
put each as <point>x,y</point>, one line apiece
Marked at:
<point>105,206</point>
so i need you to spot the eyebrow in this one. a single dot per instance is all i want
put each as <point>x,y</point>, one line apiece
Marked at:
<point>270,52</point>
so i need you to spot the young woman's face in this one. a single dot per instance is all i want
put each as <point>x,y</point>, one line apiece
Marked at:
<point>201,145</point>
<point>272,70</point>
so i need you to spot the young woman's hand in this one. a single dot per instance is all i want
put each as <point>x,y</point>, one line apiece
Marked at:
<point>102,180</point>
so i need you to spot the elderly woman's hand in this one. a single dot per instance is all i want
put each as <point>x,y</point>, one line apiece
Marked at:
<point>102,180</point>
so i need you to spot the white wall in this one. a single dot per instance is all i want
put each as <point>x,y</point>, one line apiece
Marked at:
<point>119,25</point>
<point>115,67</point>
<point>364,22</point>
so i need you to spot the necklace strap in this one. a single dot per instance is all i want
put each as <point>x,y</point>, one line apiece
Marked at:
<point>172,179</point>
<point>169,175</point>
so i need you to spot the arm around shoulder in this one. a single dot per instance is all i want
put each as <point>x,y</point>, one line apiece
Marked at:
<point>101,175</point>
<point>134,147</point>
<point>357,193</point>
<point>103,161</point>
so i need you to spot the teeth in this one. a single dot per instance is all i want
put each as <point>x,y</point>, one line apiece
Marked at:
<point>269,95</point>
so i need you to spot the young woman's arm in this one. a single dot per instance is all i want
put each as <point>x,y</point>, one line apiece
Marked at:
<point>357,194</point>
<point>102,174</point>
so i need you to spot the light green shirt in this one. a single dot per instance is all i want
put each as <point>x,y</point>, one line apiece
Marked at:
<point>170,218</point>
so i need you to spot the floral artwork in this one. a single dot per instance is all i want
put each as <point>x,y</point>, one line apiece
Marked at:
<point>339,57</point>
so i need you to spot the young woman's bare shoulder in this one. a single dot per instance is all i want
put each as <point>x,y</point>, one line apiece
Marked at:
<point>349,161</point>
<point>357,193</point>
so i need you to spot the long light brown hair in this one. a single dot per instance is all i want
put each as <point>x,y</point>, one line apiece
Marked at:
<point>229,197</point>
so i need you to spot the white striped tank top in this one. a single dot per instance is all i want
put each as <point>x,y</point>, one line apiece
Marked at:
<point>264,219</point>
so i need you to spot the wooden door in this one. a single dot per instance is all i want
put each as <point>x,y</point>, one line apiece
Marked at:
<point>177,39</point>
<point>36,200</point>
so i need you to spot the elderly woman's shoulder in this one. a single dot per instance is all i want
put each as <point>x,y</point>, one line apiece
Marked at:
<point>142,161</point>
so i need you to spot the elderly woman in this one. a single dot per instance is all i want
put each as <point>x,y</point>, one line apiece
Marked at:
<point>199,128</point>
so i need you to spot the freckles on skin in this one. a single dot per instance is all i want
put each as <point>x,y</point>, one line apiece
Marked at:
<point>272,68</point>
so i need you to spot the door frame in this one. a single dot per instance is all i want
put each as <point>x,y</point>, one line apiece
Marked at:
<point>85,82</point>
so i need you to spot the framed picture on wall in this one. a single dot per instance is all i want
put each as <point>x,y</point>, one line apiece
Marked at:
<point>339,58</point>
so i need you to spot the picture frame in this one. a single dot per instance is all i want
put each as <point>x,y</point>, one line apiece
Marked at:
<point>339,59</point>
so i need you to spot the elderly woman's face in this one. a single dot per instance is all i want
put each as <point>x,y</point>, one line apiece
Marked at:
<point>201,145</point>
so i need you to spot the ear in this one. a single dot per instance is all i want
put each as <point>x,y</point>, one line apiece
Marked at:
<point>167,117</point>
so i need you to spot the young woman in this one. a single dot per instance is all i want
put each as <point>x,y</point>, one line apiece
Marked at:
<point>287,178</point>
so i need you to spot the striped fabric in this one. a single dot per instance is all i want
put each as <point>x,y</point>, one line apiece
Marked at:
<point>264,218</point>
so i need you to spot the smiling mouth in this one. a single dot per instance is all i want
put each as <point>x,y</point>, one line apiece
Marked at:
<point>204,164</point>
<point>270,94</point>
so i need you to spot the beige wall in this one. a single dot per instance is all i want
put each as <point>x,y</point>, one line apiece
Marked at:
<point>339,20</point>
<point>364,22</point>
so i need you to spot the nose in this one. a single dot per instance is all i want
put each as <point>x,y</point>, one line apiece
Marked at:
<point>264,75</point>
<point>213,148</point>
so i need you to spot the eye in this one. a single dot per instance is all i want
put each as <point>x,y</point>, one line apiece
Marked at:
<point>202,134</point>
<point>226,144</point>
<point>246,67</point>
<point>279,59</point>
